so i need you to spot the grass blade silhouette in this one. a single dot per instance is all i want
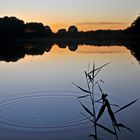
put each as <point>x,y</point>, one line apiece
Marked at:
<point>99,125</point>
<point>124,107</point>
<point>106,129</point>
<point>100,88</point>
<point>123,126</point>
<point>87,110</point>
<point>101,112</point>
<point>82,88</point>
<point>83,96</point>
<point>98,68</point>
<point>111,114</point>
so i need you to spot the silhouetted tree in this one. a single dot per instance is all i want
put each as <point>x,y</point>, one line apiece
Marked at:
<point>136,23</point>
<point>11,27</point>
<point>35,29</point>
<point>62,31</point>
<point>48,29</point>
<point>73,32</point>
<point>134,28</point>
<point>73,29</point>
<point>48,32</point>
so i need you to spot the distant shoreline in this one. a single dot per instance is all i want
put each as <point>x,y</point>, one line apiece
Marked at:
<point>96,38</point>
<point>131,41</point>
<point>14,29</point>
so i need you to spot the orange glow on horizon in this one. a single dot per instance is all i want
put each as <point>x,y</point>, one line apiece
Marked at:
<point>56,27</point>
<point>102,27</point>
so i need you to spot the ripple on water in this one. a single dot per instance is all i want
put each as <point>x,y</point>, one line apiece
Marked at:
<point>38,111</point>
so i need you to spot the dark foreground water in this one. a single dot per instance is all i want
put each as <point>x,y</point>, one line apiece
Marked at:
<point>39,101</point>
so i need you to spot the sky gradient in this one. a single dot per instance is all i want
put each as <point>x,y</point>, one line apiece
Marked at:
<point>85,14</point>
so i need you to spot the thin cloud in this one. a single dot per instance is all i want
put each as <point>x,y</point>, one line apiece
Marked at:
<point>99,52</point>
<point>99,23</point>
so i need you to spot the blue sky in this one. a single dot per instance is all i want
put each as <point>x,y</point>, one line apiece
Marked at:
<point>66,12</point>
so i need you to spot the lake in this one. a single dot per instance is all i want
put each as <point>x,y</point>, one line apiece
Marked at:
<point>39,101</point>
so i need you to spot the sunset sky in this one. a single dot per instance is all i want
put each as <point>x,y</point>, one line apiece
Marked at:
<point>85,14</point>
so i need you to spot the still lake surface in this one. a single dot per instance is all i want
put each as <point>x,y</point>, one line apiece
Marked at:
<point>39,101</point>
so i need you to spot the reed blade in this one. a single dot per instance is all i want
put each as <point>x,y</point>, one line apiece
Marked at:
<point>124,107</point>
<point>111,114</point>
<point>99,68</point>
<point>87,110</point>
<point>82,88</point>
<point>101,112</point>
<point>100,88</point>
<point>83,96</point>
<point>106,129</point>
<point>123,126</point>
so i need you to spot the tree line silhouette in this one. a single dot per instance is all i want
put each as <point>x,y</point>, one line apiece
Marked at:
<point>12,27</point>
<point>134,29</point>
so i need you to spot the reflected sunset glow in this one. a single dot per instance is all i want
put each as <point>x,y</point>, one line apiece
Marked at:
<point>84,53</point>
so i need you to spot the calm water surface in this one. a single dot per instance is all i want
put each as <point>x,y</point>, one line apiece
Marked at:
<point>39,101</point>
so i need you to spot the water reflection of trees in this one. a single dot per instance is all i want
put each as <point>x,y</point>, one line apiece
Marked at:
<point>72,45</point>
<point>13,51</point>
<point>38,48</point>
<point>135,50</point>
